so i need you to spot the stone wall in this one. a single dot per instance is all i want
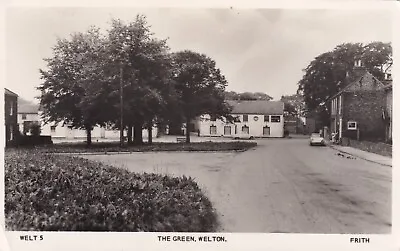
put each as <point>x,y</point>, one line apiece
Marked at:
<point>373,147</point>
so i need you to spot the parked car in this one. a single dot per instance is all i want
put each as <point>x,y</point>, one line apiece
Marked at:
<point>242,136</point>
<point>317,139</point>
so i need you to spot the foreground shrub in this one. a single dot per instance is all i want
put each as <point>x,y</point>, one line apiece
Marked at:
<point>45,192</point>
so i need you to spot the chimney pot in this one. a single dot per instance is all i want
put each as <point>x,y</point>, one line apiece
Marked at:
<point>358,63</point>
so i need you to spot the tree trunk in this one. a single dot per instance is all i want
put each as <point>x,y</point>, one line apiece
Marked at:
<point>88,135</point>
<point>150,134</point>
<point>187,130</point>
<point>137,136</point>
<point>130,134</point>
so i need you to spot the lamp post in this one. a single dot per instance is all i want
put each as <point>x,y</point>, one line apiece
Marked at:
<point>121,130</point>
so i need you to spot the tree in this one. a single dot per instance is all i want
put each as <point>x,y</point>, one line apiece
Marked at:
<point>199,85</point>
<point>145,66</point>
<point>294,104</point>
<point>328,72</point>
<point>231,95</point>
<point>71,92</point>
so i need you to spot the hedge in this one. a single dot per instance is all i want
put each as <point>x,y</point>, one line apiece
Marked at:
<point>114,147</point>
<point>45,192</point>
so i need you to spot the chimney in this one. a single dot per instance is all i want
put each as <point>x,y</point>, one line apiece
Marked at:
<point>388,76</point>
<point>358,70</point>
<point>358,63</point>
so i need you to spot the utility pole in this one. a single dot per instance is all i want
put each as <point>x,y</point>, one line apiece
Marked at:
<point>121,130</point>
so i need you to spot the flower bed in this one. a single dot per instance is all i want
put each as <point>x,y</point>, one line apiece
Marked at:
<point>45,192</point>
<point>114,147</point>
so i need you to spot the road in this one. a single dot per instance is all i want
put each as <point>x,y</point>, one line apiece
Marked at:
<point>281,186</point>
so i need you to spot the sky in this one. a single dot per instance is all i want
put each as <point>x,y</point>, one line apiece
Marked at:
<point>258,50</point>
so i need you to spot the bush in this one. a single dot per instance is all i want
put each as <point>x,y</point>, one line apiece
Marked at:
<point>25,140</point>
<point>46,192</point>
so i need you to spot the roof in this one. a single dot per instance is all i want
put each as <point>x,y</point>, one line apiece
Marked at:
<point>388,86</point>
<point>25,106</point>
<point>256,107</point>
<point>8,92</point>
<point>354,79</point>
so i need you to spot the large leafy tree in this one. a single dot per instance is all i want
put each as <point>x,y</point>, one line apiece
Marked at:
<point>294,104</point>
<point>231,95</point>
<point>70,91</point>
<point>145,66</point>
<point>329,72</point>
<point>199,85</point>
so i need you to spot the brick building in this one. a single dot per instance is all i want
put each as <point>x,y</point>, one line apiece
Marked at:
<point>10,117</point>
<point>359,111</point>
<point>389,111</point>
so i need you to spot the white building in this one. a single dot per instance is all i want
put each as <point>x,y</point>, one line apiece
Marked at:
<point>257,118</point>
<point>27,114</point>
<point>65,132</point>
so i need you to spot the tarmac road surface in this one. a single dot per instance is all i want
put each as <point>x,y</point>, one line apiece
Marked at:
<point>281,186</point>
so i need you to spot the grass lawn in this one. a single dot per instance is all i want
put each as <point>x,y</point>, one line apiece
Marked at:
<point>47,192</point>
<point>157,146</point>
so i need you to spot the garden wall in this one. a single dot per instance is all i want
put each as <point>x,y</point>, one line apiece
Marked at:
<point>373,147</point>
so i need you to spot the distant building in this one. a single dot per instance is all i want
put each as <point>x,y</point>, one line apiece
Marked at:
<point>28,114</point>
<point>10,117</point>
<point>294,124</point>
<point>256,118</point>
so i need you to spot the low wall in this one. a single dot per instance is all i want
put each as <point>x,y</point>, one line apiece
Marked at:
<point>373,147</point>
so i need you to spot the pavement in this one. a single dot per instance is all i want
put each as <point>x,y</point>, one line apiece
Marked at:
<point>368,156</point>
<point>281,186</point>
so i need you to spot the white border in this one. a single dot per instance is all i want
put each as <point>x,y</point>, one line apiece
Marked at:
<point>149,241</point>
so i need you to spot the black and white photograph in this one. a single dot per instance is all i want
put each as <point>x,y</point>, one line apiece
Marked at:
<point>198,120</point>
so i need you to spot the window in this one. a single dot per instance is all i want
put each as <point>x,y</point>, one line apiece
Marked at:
<point>53,128</point>
<point>23,116</point>
<point>245,118</point>
<point>11,132</point>
<point>351,125</point>
<point>11,108</point>
<point>255,118</point>
<point>213,130</point>
<point>227,130</point>
<point>245,129</point>
<point>275,119</point>
<point>266,118</point>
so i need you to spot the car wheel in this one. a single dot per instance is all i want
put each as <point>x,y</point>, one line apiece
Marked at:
<point>251,137</point>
